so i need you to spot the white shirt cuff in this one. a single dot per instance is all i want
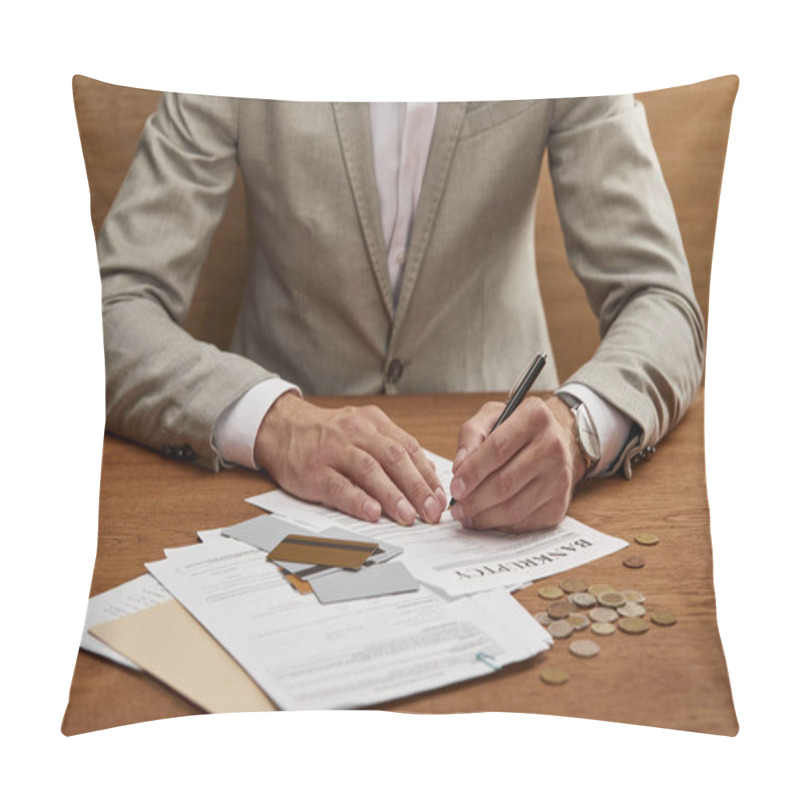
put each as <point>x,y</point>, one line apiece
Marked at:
<point>613,427</point>
<point>236,427</point>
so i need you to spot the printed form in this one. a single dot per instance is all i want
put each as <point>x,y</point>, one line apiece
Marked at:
<point>306,655</point>
<point>456,560</point>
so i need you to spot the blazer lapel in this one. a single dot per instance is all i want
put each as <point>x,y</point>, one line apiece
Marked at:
<point>449,118</point>
<point>355,136</point>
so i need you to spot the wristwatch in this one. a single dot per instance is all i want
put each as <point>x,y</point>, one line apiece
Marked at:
<point>585,431</point>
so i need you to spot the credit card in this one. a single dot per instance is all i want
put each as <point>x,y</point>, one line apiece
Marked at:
<point>308,549</point>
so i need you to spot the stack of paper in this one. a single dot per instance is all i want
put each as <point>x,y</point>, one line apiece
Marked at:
<point>336,564</point>
<point>308,655</point>
<point>294,622</point>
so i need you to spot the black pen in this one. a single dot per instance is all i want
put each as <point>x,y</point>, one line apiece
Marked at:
<point>518,391</point>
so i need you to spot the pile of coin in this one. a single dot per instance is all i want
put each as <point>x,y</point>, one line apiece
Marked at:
<point>575,606</point>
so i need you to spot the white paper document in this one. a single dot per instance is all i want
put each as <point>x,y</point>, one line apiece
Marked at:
<point>142,592</point>
<point>306,655</point>
<point>209,535</point>
<point>457,560</point>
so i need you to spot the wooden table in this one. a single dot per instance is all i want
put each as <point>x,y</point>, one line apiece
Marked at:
<point>671,677</point>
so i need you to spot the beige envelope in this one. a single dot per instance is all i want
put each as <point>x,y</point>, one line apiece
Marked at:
<point>168,642</point>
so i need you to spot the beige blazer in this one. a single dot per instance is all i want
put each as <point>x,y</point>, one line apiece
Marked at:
<point>318,307</point>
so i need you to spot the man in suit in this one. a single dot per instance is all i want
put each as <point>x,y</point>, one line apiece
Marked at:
<point>393,251</point>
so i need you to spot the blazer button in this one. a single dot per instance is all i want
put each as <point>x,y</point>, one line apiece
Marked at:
<point>185,453</point>
<point>643,455</point>
<point>395,371</point>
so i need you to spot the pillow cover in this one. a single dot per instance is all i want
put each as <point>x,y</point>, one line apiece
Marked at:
<point>689,127</point>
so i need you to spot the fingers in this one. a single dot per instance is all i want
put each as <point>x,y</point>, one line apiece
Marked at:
<point>339,492</point>
<point>366,472</point>
<point>353,459</point>
<point>391,466</point>
<point>475,430</point>
<point>540,503</point>
<point>409,461</point>
<point>497,449</point>
<point>520,478</point>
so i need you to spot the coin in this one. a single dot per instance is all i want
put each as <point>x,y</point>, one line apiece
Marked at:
<point>663,617</point>
<point>631,610</point>
<point>603,628</point>
<point>584,648</point>
<point>555,676</point>
<point>646,538</point>
<point>600,588</point>
<point>559,610</point>
<point>582,599</point>
<point>550,592</point>
<point>543,618</point>
<point>611,599</point>
<point>578,621</point>
<point>561,629</point>
<point>603,615</point>
<point>633,624</point>
<point>633,596</point>
<point>634,562</point>
<point>570,585</point>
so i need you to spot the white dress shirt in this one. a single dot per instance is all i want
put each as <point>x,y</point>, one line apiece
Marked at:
<point>401,136</point>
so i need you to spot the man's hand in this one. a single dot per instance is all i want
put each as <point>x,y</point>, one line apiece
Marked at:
<point>521,477</point>
<point>354,459</point>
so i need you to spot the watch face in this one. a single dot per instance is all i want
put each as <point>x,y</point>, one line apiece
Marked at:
<point>587,435</point>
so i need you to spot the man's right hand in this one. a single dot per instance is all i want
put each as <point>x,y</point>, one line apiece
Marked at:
<point>354,459</point>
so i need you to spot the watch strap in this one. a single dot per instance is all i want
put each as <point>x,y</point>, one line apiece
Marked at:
<point>585,430</point>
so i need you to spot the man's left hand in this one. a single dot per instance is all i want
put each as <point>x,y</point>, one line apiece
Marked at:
<point>522,476</point>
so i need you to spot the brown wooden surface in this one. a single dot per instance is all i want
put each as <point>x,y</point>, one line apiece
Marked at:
<point>669,677</point>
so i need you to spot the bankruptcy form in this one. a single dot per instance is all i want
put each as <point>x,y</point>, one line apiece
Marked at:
<point>456,560</point>
<point>306,655</point>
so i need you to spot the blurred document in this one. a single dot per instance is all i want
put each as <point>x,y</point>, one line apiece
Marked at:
<point>306,655</point>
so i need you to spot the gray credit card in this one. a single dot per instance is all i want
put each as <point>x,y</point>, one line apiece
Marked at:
<point>265,532</point>
<point>373,581</point>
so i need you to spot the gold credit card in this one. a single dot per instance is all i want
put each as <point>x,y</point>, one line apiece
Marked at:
<point>304,587</point>
<point>309,549</point>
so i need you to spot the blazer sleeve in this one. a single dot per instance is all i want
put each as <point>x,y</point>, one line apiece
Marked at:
<point>623,243</point>
<point>164,388</point>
